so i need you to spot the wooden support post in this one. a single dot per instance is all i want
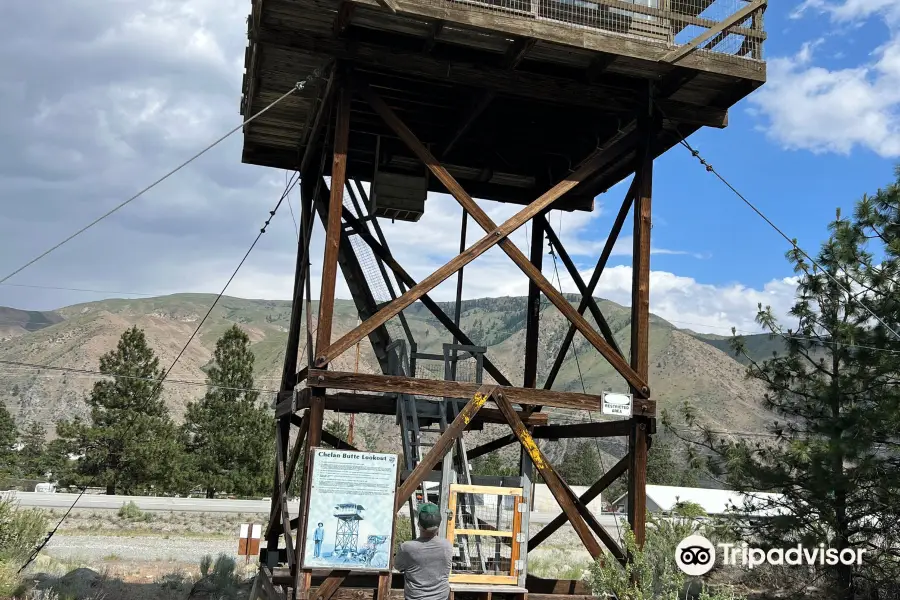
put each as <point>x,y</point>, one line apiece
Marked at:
<point>533,307</point>
<point>553,481</point>
<point>595,279</point>
<point>333,231</point>
<point>591,493</point>
<point>498,236</point>
<point>640,324</point>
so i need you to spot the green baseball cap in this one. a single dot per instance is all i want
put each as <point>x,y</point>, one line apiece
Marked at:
<point>429,515</point>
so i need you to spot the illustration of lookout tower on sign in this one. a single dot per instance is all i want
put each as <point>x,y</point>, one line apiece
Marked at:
<point>347,536</point>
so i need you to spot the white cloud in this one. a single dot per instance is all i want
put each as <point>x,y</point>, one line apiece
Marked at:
<point>811,107</point>
<point>103,99</point>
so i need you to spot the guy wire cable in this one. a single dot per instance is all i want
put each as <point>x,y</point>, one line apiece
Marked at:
<point>287,190</point>
<point>297,87</point>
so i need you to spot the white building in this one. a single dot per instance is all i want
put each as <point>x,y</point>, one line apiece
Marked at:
<point>665,498</point>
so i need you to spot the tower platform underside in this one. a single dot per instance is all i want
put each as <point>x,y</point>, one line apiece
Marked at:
<point>509,101</point>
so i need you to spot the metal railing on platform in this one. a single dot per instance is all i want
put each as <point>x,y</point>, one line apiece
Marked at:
<point>735,27</point>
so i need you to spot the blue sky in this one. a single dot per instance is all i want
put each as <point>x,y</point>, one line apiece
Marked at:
<point>105,97</point>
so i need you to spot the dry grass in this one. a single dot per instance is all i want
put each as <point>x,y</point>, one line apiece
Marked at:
<point>151,524</point>
<point>219,579</point>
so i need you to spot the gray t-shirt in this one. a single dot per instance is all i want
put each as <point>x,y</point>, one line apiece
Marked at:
<point>425,564</point>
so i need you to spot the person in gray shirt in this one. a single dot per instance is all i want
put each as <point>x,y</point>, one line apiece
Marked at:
<point>425,561</point>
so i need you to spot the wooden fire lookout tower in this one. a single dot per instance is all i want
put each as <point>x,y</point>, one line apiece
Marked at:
<point>540,103</point>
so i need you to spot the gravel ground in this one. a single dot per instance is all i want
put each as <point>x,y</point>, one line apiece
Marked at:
<point>92,549</point>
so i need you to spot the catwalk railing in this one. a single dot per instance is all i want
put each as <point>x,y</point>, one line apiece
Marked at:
<point>721,27</point>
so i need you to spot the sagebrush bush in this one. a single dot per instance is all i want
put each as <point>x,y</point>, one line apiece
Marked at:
<point>20,532</point>
<point>653,574</point>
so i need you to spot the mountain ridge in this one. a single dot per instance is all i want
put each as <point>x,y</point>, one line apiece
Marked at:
<point>685,366</point>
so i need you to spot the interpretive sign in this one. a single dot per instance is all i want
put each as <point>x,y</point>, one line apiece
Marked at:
<point>350,524</point>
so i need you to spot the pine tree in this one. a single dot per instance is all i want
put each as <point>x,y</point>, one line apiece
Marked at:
<point>834,451</point>
<point>230,436</point>
<point>130,444</point>
<point>32,456</point>
<point>9,434</point>
<point>581,464</point>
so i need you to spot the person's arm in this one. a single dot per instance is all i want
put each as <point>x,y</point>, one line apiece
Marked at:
<point>401,559</point>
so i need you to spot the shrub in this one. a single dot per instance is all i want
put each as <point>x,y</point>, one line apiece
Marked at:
<point>220,578</point>
<point>652,574</point>
<point>131,512</point>
<point>20,533</point>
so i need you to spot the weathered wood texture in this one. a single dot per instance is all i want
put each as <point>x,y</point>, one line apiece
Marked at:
<point>439,388</point>
<point>571,87</point>
<point>375,404</point>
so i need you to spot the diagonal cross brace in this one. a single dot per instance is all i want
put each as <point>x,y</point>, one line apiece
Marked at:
<point>554,483</point>
<point>679,53</point>
<point>591,165</point>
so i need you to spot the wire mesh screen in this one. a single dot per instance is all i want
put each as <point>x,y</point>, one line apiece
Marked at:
<point>491,553</point>
<point>671,22</point>
<point>466,370</point>
<point>374,276</point>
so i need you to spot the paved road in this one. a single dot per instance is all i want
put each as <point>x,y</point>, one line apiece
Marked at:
<point>204,505</point>
<point>103,502</point>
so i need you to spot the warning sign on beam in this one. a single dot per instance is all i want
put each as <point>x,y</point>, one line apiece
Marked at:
<point>617,404</point>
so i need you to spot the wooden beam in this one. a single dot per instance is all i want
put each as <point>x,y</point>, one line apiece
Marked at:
<point>587,497</point>
<point>303,428</point>
<point>442,445</point>
<point>517,51</point>
<point>543,88</point>
<point>265,577</point>
<point>494,237</point>
<point>333,440</point>
<point>598,41</point>
<point>383,253</point>
<point>333,230</point>
<point>344,15</point>
<point>282,500</point>
<point>590,166</point>
<point>355,278</point>
<point>491,446</point>
<point>640,326</point>
<point>388,4</point>
<point>533,305</point>
<point>582,289</point>
<point>582,430</point>
<point>598,66</point>
<point>729,23</point>
<point>595,526</point>
<point>595,279</point>
<point>480,106</point>
<point>330,585</point>
<point>433,31</point>
<point>440,388</point>
<point>386,404</point>
<point>551,479</point>
<point>310,142</point>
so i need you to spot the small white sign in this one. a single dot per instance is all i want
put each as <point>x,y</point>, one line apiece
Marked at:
<point>616,404</point>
